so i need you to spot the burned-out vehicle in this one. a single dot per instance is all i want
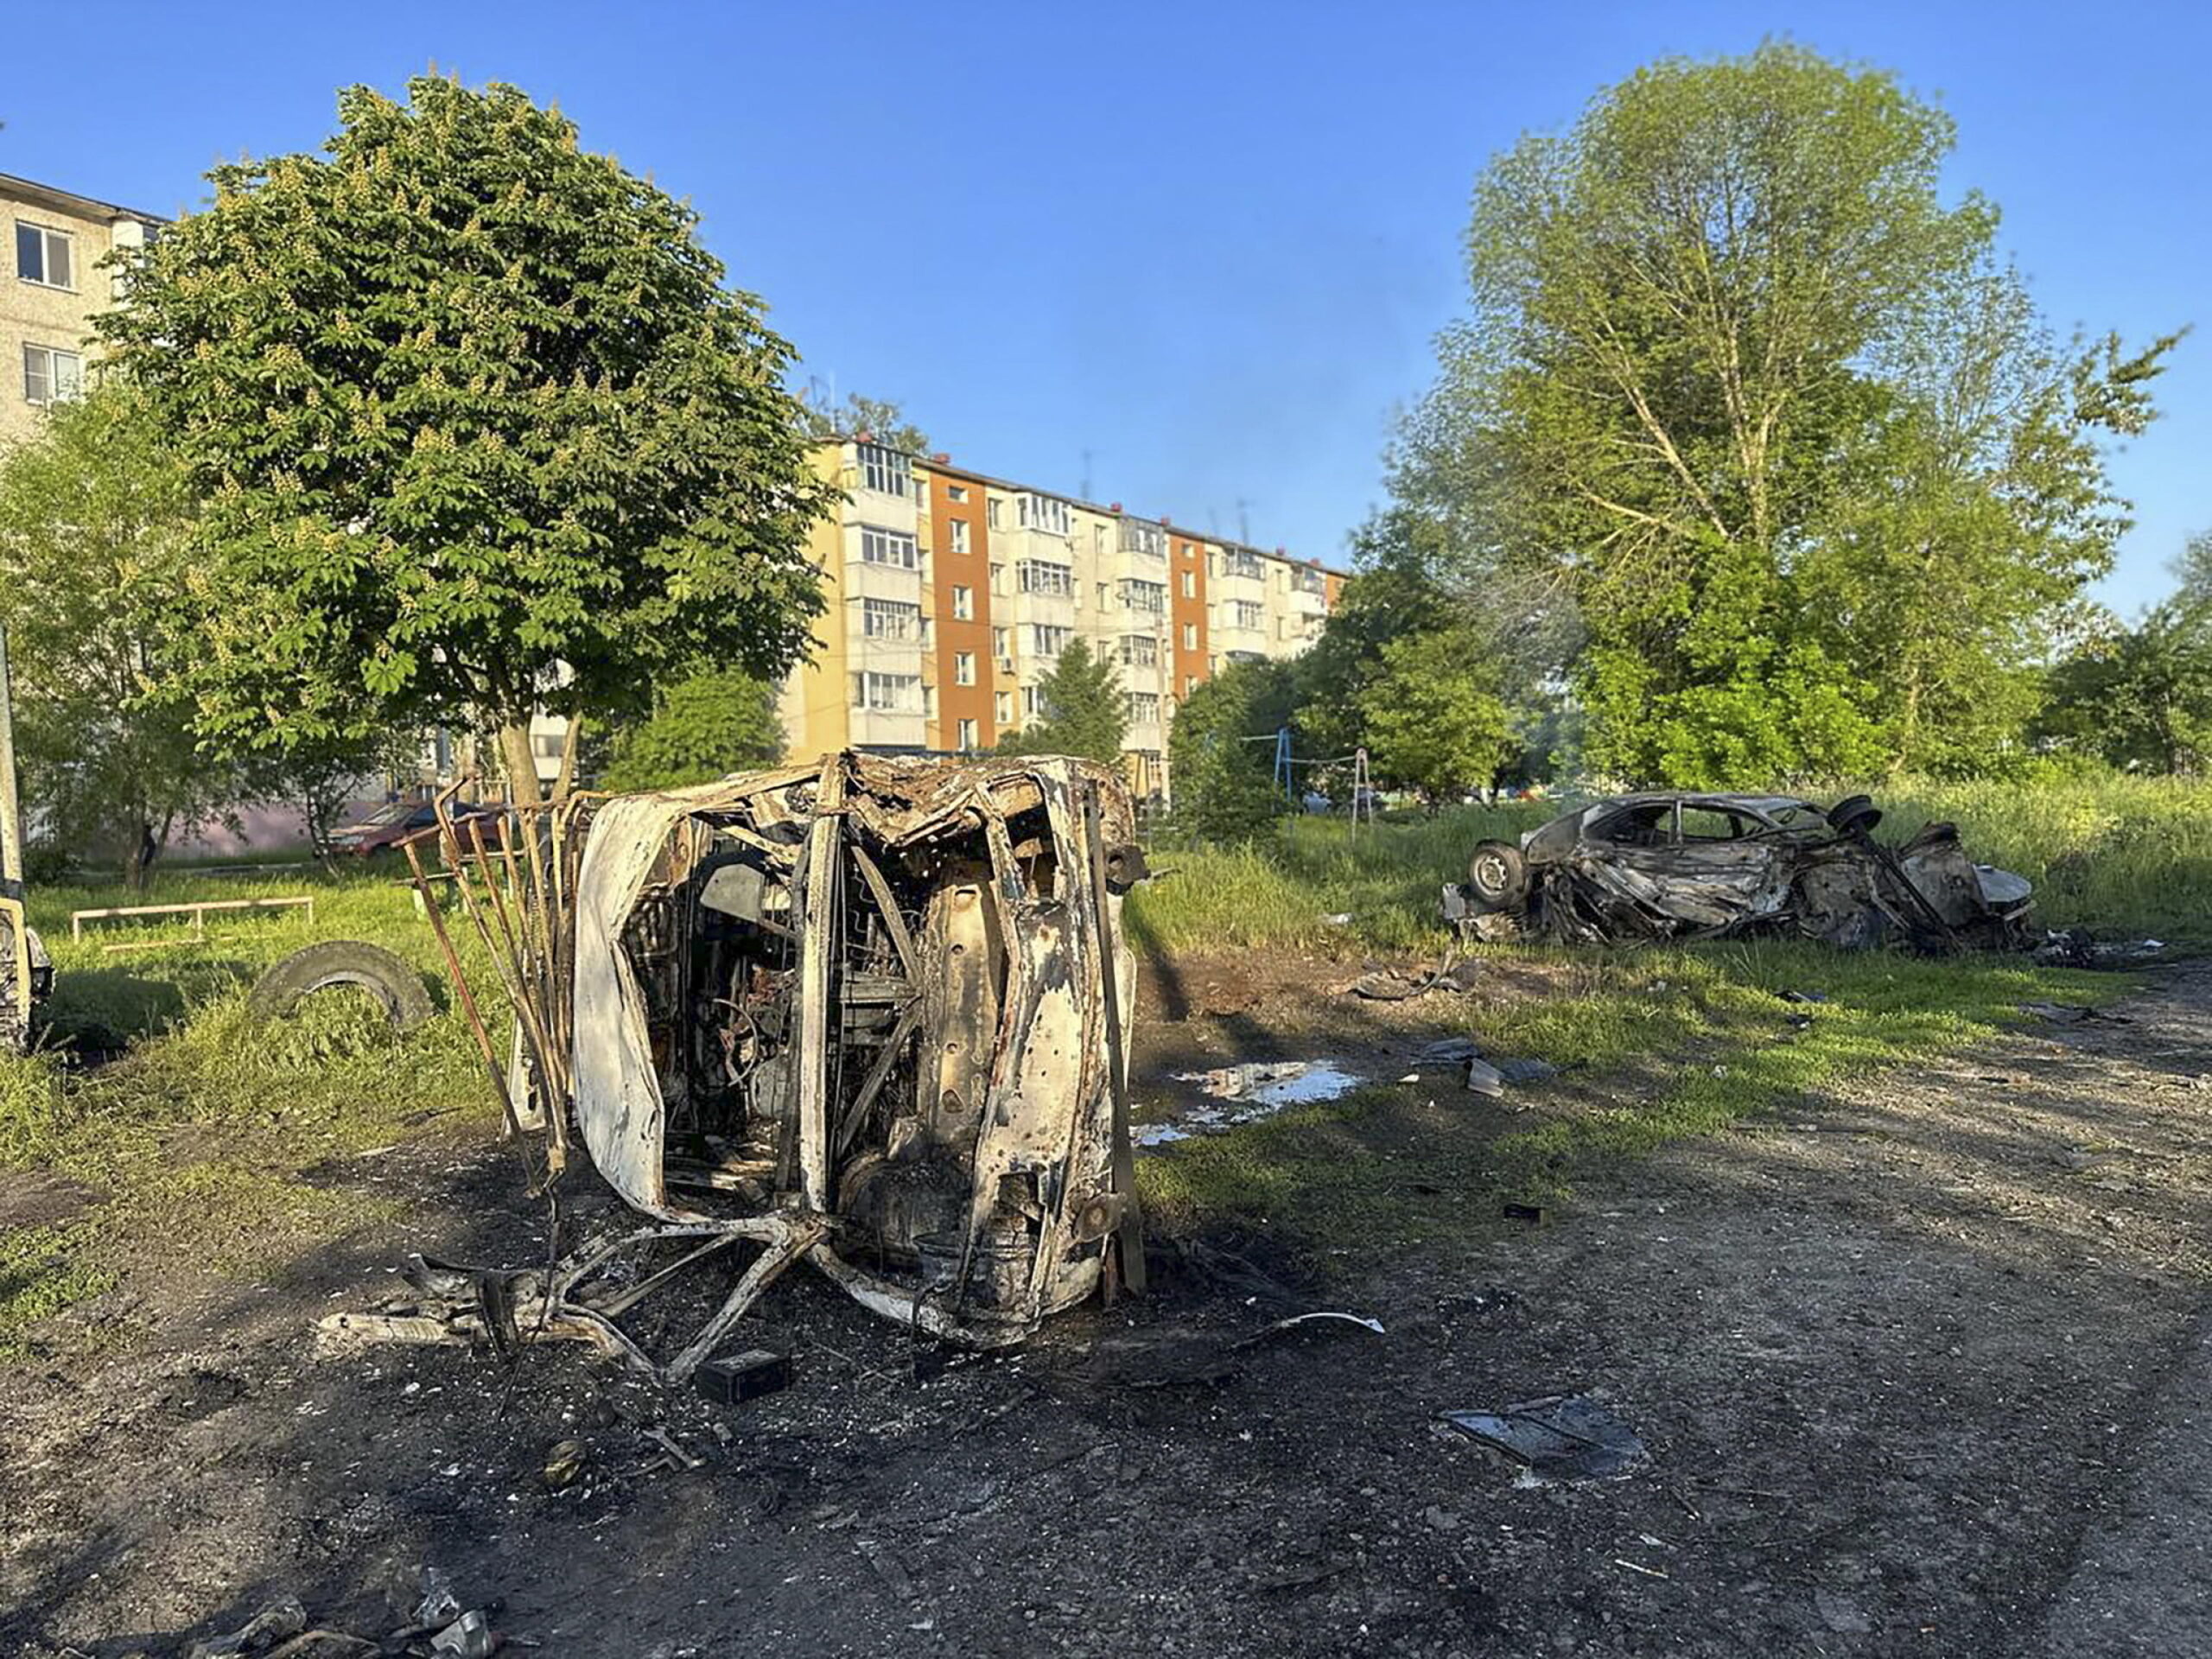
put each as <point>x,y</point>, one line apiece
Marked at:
<point>871,1014</point>
<point>1666,865</point>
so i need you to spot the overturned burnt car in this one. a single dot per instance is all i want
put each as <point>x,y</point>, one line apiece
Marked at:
<point>1666,865</point>
<point>871,1014</point>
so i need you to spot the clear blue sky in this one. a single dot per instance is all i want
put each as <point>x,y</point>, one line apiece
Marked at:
<point>1207,243</point>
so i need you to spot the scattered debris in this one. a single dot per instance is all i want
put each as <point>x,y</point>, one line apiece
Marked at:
<point>1518,1071</point>
<point>564,1463</point>
<point>388,978</point>
<point>1297,1319</point>
<point>2075,947</point>
<point>1514,1210</point>
<point>1483,1078</point>
<point>1812,997</point>
<point>278,1622</point>
<point>1448,1051</point>
<point>1561,1437</point>
<point>1661,866</point>
<point>1403,985</point>
<point>1172,1356</point>
<point>1342,918</point>
<point>744,1376</point>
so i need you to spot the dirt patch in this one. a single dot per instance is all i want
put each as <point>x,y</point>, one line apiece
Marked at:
<point>1908,1359</point>
<point>31,1197</point>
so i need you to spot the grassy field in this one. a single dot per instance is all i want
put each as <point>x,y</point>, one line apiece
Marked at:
<point>203,1129</point>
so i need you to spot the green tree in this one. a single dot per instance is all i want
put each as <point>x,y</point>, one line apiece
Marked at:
<point>1432,716</point>
<point>1739,387</point>
<point>1220,752</point>
<point>1082,710</point>
<point>878,419</point>
<point>476,427</point>
<point>2140,698</point>
<point>701,728</point>
<point>92,530</point>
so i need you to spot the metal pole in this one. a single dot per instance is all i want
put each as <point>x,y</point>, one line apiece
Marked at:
<point>11,811</point>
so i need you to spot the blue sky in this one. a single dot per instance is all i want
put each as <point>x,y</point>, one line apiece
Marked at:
<point>1192,255</point>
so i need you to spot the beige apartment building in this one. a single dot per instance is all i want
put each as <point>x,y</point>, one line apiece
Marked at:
<point>951,594</point>
<point>55,286</point>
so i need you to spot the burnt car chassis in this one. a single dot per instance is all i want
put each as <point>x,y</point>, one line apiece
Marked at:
<point>872,1015</point>
<point>1665,865</point>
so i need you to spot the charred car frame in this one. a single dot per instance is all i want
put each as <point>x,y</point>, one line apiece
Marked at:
<point>1672,865</point>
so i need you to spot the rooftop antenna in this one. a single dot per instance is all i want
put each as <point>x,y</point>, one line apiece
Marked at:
<point>1244,521</point>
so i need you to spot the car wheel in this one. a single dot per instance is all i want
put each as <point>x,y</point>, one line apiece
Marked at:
<point>1855,815</point>
<point>1498,878</point>
<point>380,973</point>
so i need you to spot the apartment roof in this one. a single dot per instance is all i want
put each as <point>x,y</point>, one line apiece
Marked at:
<point>68,201</point>
<point>938,463</point>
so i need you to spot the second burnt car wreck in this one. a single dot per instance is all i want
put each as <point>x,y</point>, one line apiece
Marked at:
<point>870,1014</point>
<point>1687,866</point>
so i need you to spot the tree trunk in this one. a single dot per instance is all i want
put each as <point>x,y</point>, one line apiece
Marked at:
<point>565,780</point>
<point>521,763</point>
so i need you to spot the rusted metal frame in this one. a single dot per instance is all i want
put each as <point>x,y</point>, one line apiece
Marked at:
<point>819,900</point>
<point>1017,1006</point>
<point>902,940</point>
<point>1069,819</point>
<point>460,986</point>
<point>802,1233</point>
<point>645,1286</point>
<point>902,1033</point>
<point>1129,1228</point>
<point>504,968</point>
<point>513,969</point>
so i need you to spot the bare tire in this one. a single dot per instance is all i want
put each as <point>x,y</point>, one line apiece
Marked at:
<point>384,976</point>
<point>1855,815</point>
<point>1498,878</point>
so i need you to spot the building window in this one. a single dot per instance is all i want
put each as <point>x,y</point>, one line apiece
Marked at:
<point>1042,513</point>
<point>1146,540</point>
<point>992,516</point>
<point>1139,650</point>
<point>1189,584</point>
<point>958,492</point>
<point>886,470</point>
<point>970,739</point>
<point>963,668</point>
<point>1002,706</point>
<point>998,578</point>
<point>1040,577</point>
<point>1148,596</point>
<point>1047,640</point>
<point>1190,636</point>
<point>1251,614</point>
<point>1308,580</point>
<point>52,377</point>
<point>1098,540</point>
<point>1000,648</point>
<point>546,746</point>
<point>888,618</point>
<point>963,604</point>
<point>1241,563</point>
<point>959,535</point>
<point>1030,701</point>
<point>44,257</point>
<point>1144,708</point>
<point>892,547</point>
<point>1190,684</point>
<point>896,693</point>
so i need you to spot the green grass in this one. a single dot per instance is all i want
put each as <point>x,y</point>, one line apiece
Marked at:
<point>1687,1041</point>
<point>200,1129</point>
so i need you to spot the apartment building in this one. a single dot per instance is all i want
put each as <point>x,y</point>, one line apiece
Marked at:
<point>55,286</point>
<point>951,595</point>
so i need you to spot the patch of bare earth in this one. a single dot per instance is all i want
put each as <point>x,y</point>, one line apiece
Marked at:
<point>1918,1365</point>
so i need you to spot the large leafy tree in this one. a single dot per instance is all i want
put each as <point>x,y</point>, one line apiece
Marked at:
<point>1220,752</point>
<point>1739,387</point>
<point>476,426</point>
<point>2140,698</point>
<point>878,419</point>
<point>701,728</point>
<point>1082,709</point>
<point>92,517</point>
<point>1433,719</point>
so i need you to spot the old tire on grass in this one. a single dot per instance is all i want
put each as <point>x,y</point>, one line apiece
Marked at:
<point>386,976</point>
<point>1497,877</point>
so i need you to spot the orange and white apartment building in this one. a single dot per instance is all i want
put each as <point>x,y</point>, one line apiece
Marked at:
<point>951,594</point>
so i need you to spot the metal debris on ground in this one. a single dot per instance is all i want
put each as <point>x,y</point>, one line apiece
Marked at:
<point>1403,985</point>
<point>1675,865</point>
<point>874,999</point>
<point>744,1376</point>
<point>2073,1014</point>
<point>2075,947</point>
<point>1518,1071</point>
<point>1483,1078</point>
<point>1560,1437</point>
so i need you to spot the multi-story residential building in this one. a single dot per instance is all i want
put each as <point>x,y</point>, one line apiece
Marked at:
<point>55,285</point>
<point>951,595</point>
